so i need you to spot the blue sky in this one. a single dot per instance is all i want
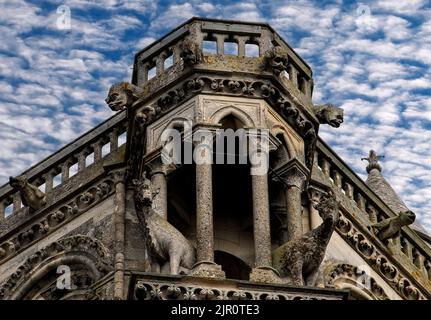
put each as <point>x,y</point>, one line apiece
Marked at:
<point>372,58</point>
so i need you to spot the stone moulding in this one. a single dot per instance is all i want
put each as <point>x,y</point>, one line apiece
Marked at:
<point>264,89</point>
<point>357,277</point>
<point>54,219</point>
<point>168,289</point>
<point>71,245</point>
<point>379,260</point>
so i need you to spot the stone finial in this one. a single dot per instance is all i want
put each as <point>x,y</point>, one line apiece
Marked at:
<point>122,95</point>
<point>373,161</point>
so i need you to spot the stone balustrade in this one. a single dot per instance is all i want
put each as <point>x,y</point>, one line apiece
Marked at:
<point>232,45</point>
<point>361,202</point>
<point>61,168</point>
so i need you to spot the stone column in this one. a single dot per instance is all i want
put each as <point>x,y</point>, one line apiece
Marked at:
<point>205,266</point>
<point>118,176</point>
<point>261,227</point>
<point>160,185</point>
<point>294,174</point>
<point>262,271</point>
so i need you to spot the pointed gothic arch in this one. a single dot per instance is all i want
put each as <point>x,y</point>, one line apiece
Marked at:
<point>86,257</point>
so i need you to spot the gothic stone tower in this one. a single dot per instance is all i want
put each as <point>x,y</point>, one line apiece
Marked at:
<point>117,220</point>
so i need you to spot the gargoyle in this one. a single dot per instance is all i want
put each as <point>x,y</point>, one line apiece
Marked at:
<point>391,227</point>
<point>299,259</point>
<point>122,95</point>
<point>169,251</point>
<point>191,52</point>
<point>329,114</point>
<point>31,196</point>
<point>276,59</point>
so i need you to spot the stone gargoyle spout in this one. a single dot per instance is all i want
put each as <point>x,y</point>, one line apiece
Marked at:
<point>31,196</point>
<point>329,114</point>
<point>122,95</point>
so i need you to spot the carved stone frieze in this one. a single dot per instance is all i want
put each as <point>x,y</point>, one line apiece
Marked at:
<point>157,290</point>
<point>75,244</point>
<point>52,220</point>
<point>259,88</point>
<point>378,260</point>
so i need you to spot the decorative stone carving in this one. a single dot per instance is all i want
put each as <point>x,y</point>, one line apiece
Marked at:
<point>191,52</point>
<point>337,274</point>
<point>52,220</point>
<point>170,252</point>
<point>147,289</point>
<point>238,87</point>
<point>391,227</point>
<point>31,196</point>
<point>373,161</point>
<point>72,245</point>
<point>378,260</point>
<point>276,60</point>
<point>122,95</point>
<point>329,114</point>
<point>299,259</point>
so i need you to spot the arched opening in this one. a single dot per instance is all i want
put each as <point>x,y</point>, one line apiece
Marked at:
<point>234,267</point>
<point>232,192</point>
<point>59,284</point>
<point>277,198</point>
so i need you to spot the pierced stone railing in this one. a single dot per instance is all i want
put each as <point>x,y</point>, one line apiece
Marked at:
<point>55,176</point>
<point>156,287</point>
<point>367,208</point>
<point>226,45</point>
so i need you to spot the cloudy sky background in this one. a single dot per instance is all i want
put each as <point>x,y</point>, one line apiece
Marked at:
<point>372,58</point>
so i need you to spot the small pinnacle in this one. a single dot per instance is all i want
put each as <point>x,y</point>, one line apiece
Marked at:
<point>373,161</point>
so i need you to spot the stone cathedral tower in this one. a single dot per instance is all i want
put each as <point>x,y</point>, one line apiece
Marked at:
<point>159,201</point>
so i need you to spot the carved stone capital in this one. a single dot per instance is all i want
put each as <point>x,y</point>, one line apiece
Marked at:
<point>118,175</point>
<point>292,173</point>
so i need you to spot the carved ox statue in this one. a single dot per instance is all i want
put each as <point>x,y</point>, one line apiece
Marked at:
<point>169,251</point>
<point>299,259</point>
<point>31,196</point>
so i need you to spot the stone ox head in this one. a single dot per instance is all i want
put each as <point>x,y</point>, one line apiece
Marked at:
<point>407,217</point>
<point>327,206</point>
<point>144,193</point>
<point>121,95</point>
<point>276,59</point>
<point>329,114</point>
<point>18,183</point>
